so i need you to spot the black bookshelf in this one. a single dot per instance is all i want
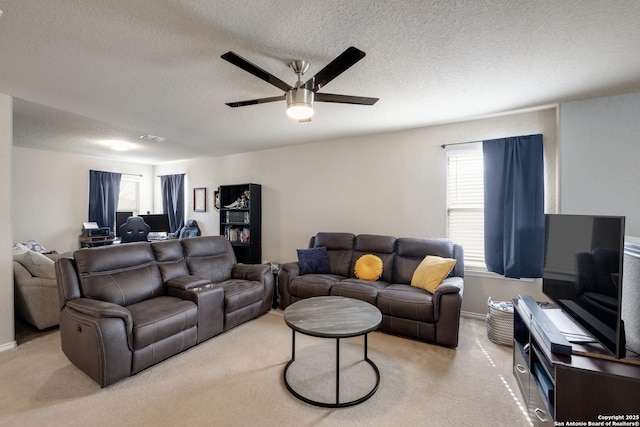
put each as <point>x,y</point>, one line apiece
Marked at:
<point>241,221</point>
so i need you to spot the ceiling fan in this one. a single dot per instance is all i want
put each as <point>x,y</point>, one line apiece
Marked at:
<point>300,98</point>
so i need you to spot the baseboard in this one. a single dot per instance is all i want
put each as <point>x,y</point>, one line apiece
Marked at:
<point>473,315</point>
<point>8,346</point>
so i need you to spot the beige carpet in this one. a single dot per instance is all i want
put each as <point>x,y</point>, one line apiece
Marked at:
<point>235,379</point>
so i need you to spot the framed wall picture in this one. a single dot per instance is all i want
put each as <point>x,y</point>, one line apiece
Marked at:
<point>200,199</point>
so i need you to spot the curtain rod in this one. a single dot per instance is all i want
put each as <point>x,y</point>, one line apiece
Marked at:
<point>121,173</point>
<point>459,143</point>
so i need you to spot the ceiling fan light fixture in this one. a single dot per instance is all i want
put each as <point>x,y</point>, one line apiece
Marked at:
<point>300,103</point>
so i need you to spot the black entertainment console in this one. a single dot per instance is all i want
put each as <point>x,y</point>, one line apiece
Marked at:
<point>564,382</point>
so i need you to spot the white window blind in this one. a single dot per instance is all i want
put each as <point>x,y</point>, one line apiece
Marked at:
<point>128,201</point>
<point>465,203</point>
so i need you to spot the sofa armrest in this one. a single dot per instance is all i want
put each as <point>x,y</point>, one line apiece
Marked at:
<point>292,268</point>
<point>259,273</point>
<point>55,255</point>
<point>187,282</point>
<point>23,279</point>
<point>450,285</point>
<point>67,280</point>
<point>288,271</point>
<point>36,298</point>
<point>210,301</point>
<point>103,309</point>
<point>255,272</point>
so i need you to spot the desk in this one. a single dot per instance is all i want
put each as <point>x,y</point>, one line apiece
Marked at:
<point>157,238</point>
<point>91,242</point>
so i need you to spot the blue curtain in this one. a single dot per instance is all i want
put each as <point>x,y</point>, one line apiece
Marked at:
<point>173,200</point>
<point>104,190</point>
<point>514,205</point>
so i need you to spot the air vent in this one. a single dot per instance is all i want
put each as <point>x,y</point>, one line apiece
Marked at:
<point>153,138</point>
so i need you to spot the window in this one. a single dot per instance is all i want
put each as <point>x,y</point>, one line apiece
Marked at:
<point>465,202</point>
<point>129,199</point>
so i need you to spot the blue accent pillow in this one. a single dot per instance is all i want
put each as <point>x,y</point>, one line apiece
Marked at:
<point>314,261</point>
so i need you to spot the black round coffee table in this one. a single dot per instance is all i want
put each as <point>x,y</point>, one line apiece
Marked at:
<point>332,317</point>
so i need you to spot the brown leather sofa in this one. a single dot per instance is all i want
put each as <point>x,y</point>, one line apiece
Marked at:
<point>126,307</point>
<point>406,310</point>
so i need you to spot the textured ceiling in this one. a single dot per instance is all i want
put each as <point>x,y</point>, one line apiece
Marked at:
<point>84,72</point>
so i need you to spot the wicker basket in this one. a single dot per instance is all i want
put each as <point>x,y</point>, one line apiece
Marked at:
<point>500,322</point>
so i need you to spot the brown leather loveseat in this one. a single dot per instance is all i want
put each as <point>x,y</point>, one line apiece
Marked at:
<point>406,310</point>
<point>127,307</point>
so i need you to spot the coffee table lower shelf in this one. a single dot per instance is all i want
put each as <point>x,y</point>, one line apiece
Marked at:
<point>337,403</point>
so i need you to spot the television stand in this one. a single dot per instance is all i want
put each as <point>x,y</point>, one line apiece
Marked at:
<point>581,386</point>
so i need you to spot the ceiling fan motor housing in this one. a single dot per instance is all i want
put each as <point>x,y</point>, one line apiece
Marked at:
<point>300,103</point>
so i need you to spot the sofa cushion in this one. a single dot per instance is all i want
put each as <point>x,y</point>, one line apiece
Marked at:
<point>334,241</point>
<point>240,293</point>
<point>375,243</point>
<point>368,267</point>
<point>407,302</point>
<point>170,258</point>
<point>339,250</point>
<point>431,272</point>
<point>35,246</point>
<point>121,274</point>
<point>313,260</point>
<point>380,246</point>
<point>158,318</point>
<point>313,285</point>
<point>211,257</point>
<point>37,264</point>
<point>411,251</point>
<point>365,290</point>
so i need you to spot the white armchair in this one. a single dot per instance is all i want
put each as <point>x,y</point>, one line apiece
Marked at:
<point>36,290</point>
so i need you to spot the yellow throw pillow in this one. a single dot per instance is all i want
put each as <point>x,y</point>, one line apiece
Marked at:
<point>368,267</point>
<point>431,272</point>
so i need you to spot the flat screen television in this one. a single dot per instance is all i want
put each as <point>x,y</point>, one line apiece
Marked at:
<point>159,223</point>
<point>583,257</point>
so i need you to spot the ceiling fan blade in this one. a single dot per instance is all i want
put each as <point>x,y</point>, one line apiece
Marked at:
<point>336,67</point>
<point>344,99</point>
<point>256,101</point>
<point>239,61</point>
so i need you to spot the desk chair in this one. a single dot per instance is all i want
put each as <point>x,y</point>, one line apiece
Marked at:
<point>134,230</point>
<point>191,229</point>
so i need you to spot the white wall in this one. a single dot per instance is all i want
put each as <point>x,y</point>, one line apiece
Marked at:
<point>7,333</point>
<point>391,183</point>
<point>599,158</point>
<point>387,183</point>
<point>51,194</point>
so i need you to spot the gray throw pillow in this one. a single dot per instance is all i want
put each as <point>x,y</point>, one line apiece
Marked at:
<point>37,264</point>
<point>314,261</point>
